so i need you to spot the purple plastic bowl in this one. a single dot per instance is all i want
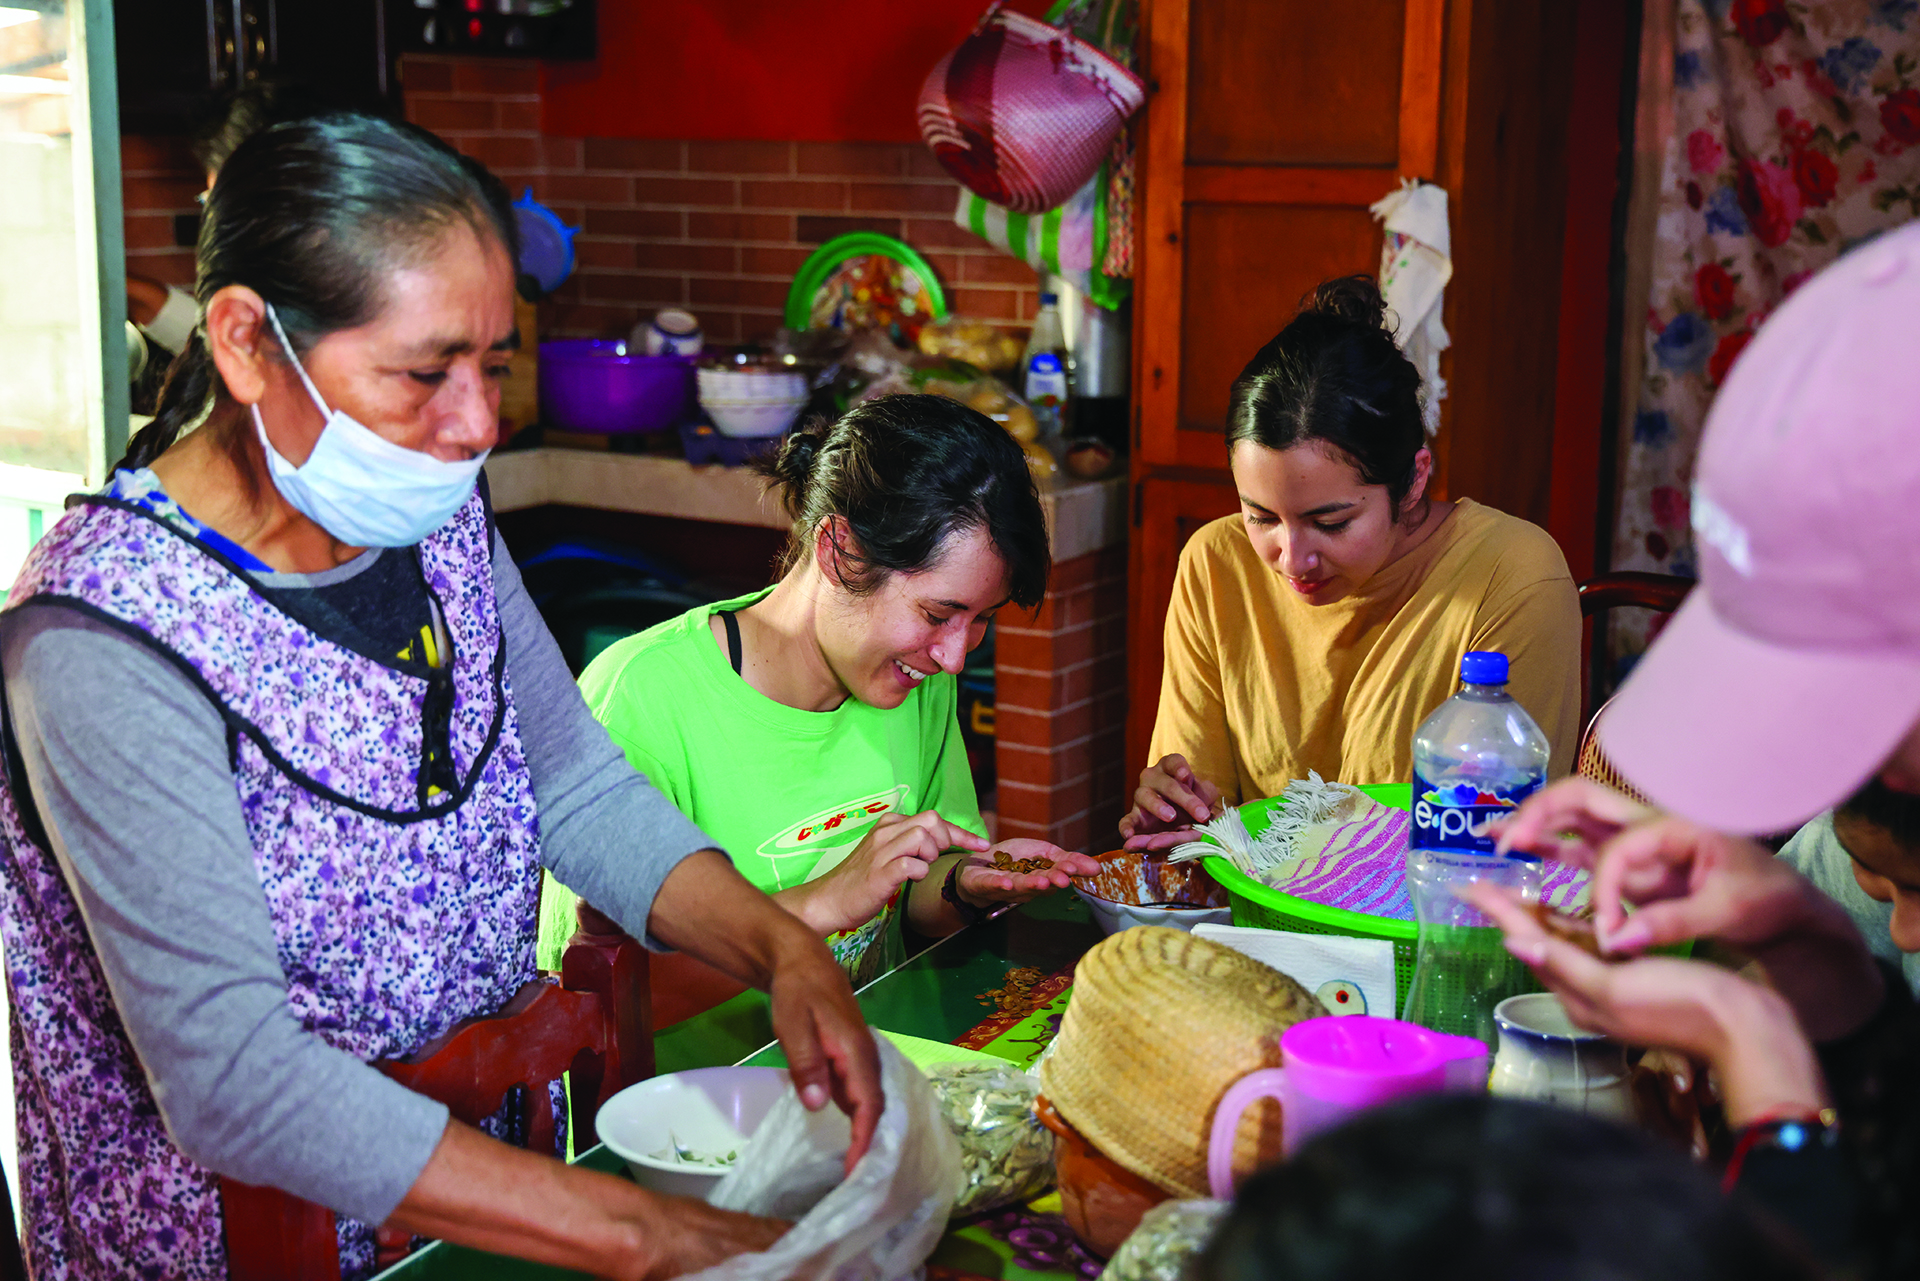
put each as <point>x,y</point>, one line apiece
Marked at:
<point>593,385</point>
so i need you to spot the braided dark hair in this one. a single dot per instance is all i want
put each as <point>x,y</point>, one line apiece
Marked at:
<point>1335,374</point>
<point>906,472</point>
<point>312,214</point>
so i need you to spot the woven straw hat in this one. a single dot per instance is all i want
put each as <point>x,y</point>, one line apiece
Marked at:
<point>1160,1024</point>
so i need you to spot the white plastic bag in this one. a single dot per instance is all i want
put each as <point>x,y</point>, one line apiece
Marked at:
<point>879,1223</point>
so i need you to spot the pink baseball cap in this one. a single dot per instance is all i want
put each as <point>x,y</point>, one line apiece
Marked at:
<point>1792,672</point>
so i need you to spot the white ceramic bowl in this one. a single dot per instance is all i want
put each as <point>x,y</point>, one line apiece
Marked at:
<point>752,383</point>
<point>707,1110</point>
<point>1114,917</point>
<point>753,418</point>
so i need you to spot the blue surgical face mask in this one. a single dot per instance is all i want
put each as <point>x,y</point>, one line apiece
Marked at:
<point>361,487</point>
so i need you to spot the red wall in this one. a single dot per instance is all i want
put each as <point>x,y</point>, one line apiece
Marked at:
<point>790,70</point>
<point>1593,142</point>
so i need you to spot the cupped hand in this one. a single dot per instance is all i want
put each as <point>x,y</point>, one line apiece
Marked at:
<point>1748,1033</point>
<point>1689,881</point>
<point>829,1048</point>
<point>1169,803</point>
<point>898,848</point>
<point>1569,821</point>
<point>980,882</point>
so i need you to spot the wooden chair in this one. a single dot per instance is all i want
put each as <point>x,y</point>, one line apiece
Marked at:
<point>1660,592</point>
<point>678,986</point>
<point>596,1025</point>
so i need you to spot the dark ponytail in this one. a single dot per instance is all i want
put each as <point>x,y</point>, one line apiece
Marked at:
<point>1335,374</point>
<point>183,399</point>
<point>312,215</point>
<point>907,472</point>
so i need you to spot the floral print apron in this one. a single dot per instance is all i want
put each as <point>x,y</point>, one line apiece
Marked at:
<point>396,914</point>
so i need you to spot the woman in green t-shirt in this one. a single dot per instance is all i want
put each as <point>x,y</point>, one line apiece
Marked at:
<point>810,728</point>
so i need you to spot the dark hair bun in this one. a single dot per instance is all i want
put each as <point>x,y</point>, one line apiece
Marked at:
<point>1354,298</point>
<point>1334,374</point>
<point>789,467</point>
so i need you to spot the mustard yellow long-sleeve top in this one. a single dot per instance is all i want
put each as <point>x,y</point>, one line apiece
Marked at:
<point>1259,686</point>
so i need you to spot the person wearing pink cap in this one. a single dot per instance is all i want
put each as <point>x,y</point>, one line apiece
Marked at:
<point>1786,682</point>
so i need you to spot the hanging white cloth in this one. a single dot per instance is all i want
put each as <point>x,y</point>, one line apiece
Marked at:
<point>1416,261</point>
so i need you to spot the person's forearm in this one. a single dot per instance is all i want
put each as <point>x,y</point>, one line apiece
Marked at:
<point>706,909</point>
<point>481,1193</point>
<point>928,911</point>
<point>1761,1057</point>
<point>145,298</point>
<point>806,903</point>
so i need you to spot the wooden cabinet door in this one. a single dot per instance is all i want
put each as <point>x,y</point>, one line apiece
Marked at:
<point>1272,125</point>
<point>1168,512</point>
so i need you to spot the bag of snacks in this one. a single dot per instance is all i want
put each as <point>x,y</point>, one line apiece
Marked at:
<point>1168,1238</point>
<point>1006,1155</point>
<point>979,343</point>
<point>957,380</point>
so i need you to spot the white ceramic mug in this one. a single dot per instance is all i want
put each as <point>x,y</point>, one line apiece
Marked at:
<point>1544,1056</point>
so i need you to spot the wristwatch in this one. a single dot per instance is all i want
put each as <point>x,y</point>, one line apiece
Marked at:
<point>950,891</point>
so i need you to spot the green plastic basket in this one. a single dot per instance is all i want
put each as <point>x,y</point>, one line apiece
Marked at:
<point>1263,907</point>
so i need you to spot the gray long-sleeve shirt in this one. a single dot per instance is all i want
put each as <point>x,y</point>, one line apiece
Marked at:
<point>128,765</point>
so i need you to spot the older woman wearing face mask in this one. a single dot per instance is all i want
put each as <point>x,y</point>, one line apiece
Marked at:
<point>1789,680</point>
<point>287,748</point>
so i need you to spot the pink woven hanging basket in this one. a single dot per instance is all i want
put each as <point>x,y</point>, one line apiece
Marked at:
<point>1022,113</point>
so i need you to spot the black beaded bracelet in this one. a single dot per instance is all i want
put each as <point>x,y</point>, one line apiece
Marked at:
<point>950,891</point>
<point>1791,1133</point>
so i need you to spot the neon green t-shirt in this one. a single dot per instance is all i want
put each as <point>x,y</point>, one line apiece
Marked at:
<point>786,793</point>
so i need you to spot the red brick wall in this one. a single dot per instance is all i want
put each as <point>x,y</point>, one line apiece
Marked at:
<point>1060,707</point>
<point>159,179</point>
<point>717,227</point>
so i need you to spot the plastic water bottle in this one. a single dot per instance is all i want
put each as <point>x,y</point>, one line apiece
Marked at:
<point>1474,760</point>
<point>1044,366</point>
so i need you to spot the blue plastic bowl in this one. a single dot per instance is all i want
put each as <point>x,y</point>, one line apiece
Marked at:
<point>594,385</point>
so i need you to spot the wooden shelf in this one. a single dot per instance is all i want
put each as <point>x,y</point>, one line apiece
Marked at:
<point>1083,516</point>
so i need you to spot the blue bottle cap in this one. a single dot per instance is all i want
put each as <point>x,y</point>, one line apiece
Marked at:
<point>1483,667</point>
<point>1049,300</point>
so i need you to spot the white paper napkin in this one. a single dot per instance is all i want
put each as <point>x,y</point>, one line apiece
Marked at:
<point>1328,965</point>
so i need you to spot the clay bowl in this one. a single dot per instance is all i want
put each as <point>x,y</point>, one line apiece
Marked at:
<point>1132,889</point>
<point>1101,1200</point>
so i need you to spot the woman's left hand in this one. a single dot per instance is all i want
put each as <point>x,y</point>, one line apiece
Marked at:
<point>980,883</point>
<point>1749,1033</point>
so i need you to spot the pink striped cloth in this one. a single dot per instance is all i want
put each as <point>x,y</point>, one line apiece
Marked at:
<point>1364,869</point>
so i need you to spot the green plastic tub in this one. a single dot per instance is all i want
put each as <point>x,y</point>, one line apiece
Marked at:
<point>1263,907</point>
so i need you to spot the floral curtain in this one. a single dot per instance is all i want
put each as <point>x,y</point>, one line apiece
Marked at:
<point>1795,135</point>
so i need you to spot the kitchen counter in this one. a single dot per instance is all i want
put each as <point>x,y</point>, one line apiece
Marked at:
<point>1083,515</point>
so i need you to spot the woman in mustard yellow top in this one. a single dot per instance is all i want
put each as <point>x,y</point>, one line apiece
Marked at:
<point>1317,629</point>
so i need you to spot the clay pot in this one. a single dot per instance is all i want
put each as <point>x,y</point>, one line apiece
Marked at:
<point>1101,1200</point>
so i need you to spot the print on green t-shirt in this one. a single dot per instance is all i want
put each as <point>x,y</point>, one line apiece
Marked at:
<point>788,794</point>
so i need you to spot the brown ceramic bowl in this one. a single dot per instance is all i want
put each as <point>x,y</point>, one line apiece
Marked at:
<point>1101,1199</point>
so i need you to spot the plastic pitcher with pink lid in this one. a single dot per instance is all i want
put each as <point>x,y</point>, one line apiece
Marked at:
<point>1336,1067</point>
